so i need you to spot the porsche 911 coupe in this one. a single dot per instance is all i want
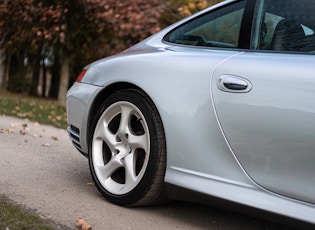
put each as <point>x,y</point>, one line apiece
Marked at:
<point>220,105</point>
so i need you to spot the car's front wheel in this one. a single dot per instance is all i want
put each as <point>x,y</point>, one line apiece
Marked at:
<point>128,152</point>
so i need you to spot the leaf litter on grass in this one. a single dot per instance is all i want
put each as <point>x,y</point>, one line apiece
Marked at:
<point>44,111</point>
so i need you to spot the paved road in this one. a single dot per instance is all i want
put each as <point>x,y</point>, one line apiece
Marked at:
<point>40,169</point>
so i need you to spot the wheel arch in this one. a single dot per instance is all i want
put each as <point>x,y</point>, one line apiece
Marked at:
<point>106,92</point>
<point>150,186</point>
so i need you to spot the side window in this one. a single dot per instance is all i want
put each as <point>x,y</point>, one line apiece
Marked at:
<point>287,25</point>
<point>220,28</point>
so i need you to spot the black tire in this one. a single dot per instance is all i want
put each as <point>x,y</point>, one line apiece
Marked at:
<point>127,154</point>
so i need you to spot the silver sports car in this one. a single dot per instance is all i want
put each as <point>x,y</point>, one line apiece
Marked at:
<point>219,105</point>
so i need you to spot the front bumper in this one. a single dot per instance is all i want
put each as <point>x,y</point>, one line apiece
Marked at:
<point>80,98</point>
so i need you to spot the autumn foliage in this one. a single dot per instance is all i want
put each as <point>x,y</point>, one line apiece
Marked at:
<point>38,37</point>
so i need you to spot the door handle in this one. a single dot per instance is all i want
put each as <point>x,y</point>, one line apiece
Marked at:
<point>235,84</point>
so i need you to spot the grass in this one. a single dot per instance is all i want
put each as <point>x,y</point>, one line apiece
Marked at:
<point>12,216</point>
<point>43,111</point>
<point>15,217</point>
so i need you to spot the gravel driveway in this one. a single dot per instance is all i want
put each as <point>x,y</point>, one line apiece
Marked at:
<point>40,169</point>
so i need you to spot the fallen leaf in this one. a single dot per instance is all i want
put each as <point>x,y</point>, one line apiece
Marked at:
<point>81,224</point>
<point>22,132</point>
<point>5,131</point>
<point>15,125</point>
<point>25,127</point>
<point>54,138</point>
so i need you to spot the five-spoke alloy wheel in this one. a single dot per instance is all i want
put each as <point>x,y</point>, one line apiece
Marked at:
<point>127,151</point>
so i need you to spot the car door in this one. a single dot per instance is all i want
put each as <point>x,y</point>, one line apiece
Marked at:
<point>265,100</point>
<point>199,45</point>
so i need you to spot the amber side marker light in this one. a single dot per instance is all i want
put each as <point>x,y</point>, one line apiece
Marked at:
<point>81,75</point>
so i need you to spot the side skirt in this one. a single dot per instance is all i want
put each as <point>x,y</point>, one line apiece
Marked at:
<point>174,192</point>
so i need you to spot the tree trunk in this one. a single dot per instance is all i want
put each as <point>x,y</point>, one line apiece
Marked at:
<point>17,81</point>
<point>44,71</point>
<point>36,73</point>
<point>55,72</point>
<point>2,70</point>
<point>64,81</point>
